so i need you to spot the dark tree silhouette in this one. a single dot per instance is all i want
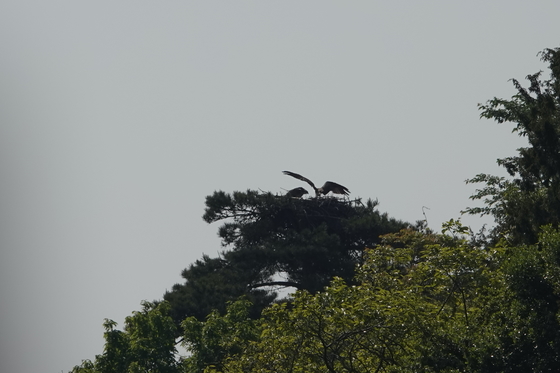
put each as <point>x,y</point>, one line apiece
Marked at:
<point>277,241</point>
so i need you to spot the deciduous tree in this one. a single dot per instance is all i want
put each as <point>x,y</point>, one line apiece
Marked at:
<point>147,344</point>
<point>422,303</point>
<point>532,198</point>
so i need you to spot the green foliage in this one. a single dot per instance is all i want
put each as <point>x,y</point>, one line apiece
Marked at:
<point>277,241</point>
<point>419,306</point>
<point>374,294</point>
<point>87,366</point>
<point>532,199</point>
<point>147,344</point>
<point>335,330</point>
<point>528,328</point>
<point>211,341</point>
<point>531,332</point>
<point>420,302</point>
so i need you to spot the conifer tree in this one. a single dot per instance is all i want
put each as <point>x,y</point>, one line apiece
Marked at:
<point>277,241</point>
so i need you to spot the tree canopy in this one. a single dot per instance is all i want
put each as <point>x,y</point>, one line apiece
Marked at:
<point>373,294</point>
<point>277,241</point>
<point>420,302</point>
<point>532,198</point>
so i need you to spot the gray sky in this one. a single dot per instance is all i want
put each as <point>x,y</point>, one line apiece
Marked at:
<point>117,118</point>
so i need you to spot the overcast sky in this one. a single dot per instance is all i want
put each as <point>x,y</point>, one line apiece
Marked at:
<point>117,118</point>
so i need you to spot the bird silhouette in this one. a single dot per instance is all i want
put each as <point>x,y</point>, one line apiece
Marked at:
<point>297,192</point>
<point>328,187</point>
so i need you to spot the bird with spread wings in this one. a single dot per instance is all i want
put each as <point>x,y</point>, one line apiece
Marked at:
<point>329,186</point>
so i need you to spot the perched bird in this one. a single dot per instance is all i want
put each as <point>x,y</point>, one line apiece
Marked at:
<point>329,186</point>
<point>297,192</point>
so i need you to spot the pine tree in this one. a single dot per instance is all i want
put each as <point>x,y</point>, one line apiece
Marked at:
<point>277,241</point>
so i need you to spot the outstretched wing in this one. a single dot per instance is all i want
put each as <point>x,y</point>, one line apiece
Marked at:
<point>335,188</point>
<point>298,176</point>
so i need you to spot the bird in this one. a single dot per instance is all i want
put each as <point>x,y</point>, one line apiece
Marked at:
<point>328,187</point>
<point>331,186</point>
<point>297,192</point>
